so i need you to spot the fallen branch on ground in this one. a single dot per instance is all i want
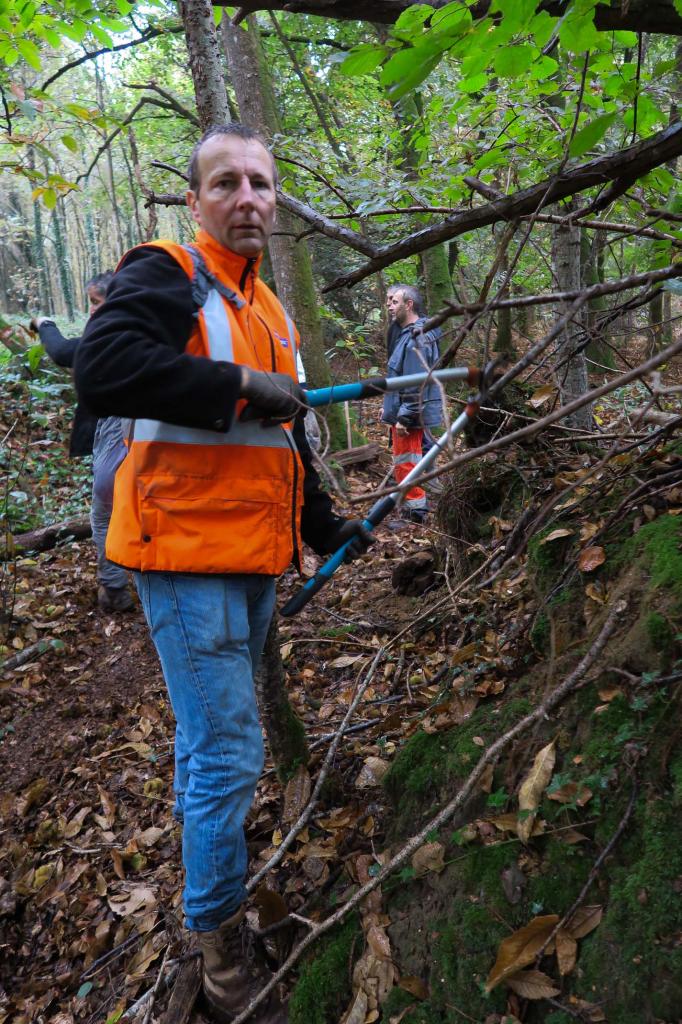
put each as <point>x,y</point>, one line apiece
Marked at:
<point>47,537</point>
<point>29,653</point>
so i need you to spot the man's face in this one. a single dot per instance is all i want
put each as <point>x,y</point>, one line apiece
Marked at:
<point>235,202</point>
<point>95,299</point>
<point>398,309</point>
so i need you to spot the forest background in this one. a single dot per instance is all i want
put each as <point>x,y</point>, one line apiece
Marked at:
<point>518,160</point>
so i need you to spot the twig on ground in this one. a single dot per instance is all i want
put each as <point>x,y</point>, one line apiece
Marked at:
<point>593,873</point>
<point>446,813</point>
<point>171,969</point>
<point>155,990</point>
<point>305,815</point>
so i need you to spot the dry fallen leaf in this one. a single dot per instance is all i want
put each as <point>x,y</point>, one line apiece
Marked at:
<point>556,534</point>
<point>584,921</point>
<point>429,857</point>
<point>532,788</point>
<point>532,985</point>
<point>541,395</point>
<point>591,558</point>
<point>296,794</point>
<point>486,780</point>
<point>520,949</point>
<point>571,793</point>
<point>371,773</point>
<point>132,900</point>
<point>415,986</point>
<point>566,951</point>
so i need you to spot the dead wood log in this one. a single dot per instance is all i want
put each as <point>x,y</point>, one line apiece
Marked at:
<point>185,992</point>
<point>356,456</point>
<point>46,537</point>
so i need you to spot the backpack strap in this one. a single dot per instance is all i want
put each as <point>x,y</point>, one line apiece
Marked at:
<point>204,282</point>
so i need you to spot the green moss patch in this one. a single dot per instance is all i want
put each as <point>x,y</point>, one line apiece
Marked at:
<point>323,989</point>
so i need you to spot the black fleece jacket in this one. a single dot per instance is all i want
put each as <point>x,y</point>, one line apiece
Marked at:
<point>62,351</point>
<point>132,362</point>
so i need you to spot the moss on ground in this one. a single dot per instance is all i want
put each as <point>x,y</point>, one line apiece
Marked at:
<point>660,545</point>
<point>430,762</point>
<point>323,989</point>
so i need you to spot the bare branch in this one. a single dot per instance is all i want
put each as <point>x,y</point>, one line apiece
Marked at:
<point>633,162</point>
<point>150,33</point>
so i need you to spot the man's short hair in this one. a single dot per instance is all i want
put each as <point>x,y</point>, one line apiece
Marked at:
<point>100,282</point>
<point>242,131</point>
<point>410,292</point>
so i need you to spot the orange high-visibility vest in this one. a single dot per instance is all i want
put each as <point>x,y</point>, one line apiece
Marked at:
<point>205,501</point>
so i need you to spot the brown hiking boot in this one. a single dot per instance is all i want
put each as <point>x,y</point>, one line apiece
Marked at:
<point>232,976</point>
<point>118,599</point>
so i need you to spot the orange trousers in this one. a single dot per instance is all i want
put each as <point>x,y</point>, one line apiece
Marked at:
<point>407,452</point>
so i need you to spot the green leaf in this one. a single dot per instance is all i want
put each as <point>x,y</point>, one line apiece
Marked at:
<point>411,20</point>
<point>51,37</point>
<point>49,197</point>
<point>408,69</point>
<point>362,60</point>
<point>104,37</point>
<point>492,158</point>
<point>10,57</point>
<point>677,4</point>
<point>218,15</point>
<point>78,111</point>
<point>27,15</point>
<point>626,39</point>
<point>543,69</point>
<point>70,143</point>
<point>86,987</point>
<point>123,6</point>
<point>578,34</point>
<point>474,84</point>
<point>114,1017</point>
<point>30,52</point>
<point>513,61</point>
<point>28,109</point>
<point>589,135</point>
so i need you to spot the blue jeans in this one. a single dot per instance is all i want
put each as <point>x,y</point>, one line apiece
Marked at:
<point>108,452</point>
<point>209,632</point>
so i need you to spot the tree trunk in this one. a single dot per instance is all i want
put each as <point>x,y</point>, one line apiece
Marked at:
<point>204,62</point>
<point>58,224</point>
<point>286,732</point>
<point>290,259</point>
<point>590,268</point>
<point>571,365</point>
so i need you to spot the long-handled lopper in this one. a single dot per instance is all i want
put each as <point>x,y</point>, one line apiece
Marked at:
<point>384,506</point>
<point>372,386</point>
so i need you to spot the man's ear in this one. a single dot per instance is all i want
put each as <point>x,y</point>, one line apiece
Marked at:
<point>192,200</point>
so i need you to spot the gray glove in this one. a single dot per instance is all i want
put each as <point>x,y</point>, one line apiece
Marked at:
<point>274,397</point>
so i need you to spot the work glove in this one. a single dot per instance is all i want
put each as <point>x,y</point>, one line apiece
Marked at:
<point>272,397</point>
<point>362,538</point>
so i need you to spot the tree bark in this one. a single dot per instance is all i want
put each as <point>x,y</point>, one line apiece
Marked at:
<point>571,365</point>
<point>204,62</point>
<point>636,15</point>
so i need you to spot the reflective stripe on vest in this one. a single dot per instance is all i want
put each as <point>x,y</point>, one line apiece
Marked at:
<point>251,434</point>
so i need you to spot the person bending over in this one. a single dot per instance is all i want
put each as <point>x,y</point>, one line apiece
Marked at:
<point>101,438</point>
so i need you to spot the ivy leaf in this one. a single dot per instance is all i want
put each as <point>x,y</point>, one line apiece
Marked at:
<point>590,134</point>
<point>513,61</point>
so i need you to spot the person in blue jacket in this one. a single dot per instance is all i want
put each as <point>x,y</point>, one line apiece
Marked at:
<point>411,412</point>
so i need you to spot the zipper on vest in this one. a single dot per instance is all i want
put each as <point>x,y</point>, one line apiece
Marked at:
<point>296,557</point>
<point>273,354</point>
<point>245,275</point>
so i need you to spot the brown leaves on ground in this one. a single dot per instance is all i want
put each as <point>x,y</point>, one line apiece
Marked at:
<point>537,939</point>
<point>532,788</point>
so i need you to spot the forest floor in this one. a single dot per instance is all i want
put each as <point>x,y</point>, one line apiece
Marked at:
<point>90,876</point>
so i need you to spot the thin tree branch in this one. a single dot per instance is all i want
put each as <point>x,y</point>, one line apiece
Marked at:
<point>631,162</point>
<point>171,100</point>
<point>148,34</point>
